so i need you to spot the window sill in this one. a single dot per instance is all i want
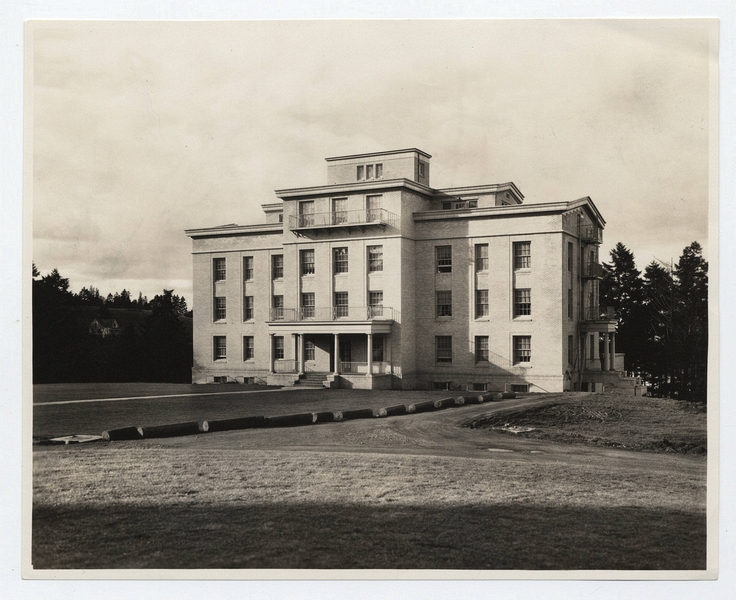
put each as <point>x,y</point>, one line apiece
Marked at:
<point>220,322</point>
<point>482,319</point>
<point>523,318</point>
<point>447,364</point>
<point>442,319</point>
<point>483,364</point>
<point>307,275</point>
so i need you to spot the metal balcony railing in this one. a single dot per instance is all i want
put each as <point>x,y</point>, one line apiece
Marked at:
<point>592,269</point>
<point>361,368</point>
<point>343,218</point>
<point>600,313</point>
<point>334,313</point>
<point>590,234</point>
<point>285,365</point>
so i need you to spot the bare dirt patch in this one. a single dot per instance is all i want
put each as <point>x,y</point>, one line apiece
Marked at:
<point>609,420</point>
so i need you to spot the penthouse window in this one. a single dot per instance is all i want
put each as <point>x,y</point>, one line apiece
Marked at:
<point>374,171</point>
<point>481,303</point>
<point>522,349</point>
<point>481,348</point>
<point>277,266</point>
<point>522,303</point>
<point>444,259</point>
<point>522,255</point>
<point>220,308</point>
<point>247,268</point>
<point>218,266</point>
<point>444,303</point>
<point>219,347</point>
<point>481,258</point>
<point>306,260</point>
<point>443,349</point>
<point>375,259</point>
<point>249,352</point>
<point>340,260</point>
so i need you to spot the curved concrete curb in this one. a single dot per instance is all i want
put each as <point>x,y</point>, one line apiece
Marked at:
<point>230,424</point>
<point>175,430</point>
<point>392,411</point>
<point>361,413</point>
<point>422,406</point>
<point>469,399</point>
<point>445,403</point>
<point>291,420</point>
<point>122,433</point>
<point>324,417</point>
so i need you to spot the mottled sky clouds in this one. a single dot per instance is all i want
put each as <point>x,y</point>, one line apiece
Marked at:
<point>141,130</point>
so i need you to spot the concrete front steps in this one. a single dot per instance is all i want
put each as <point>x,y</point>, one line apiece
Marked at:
<point>313,379</point>
<point>613,381</point>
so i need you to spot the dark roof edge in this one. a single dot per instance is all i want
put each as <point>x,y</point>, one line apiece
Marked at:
<point>367,154</point>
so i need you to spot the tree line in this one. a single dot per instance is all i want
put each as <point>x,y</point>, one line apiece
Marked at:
<point>663,319</point>
<point>153,342</point>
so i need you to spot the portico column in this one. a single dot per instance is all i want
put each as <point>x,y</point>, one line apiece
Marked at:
<point>606,360</point>
<point>302,346</point>
<point>337,352</point>
<point>613,351</point>
<point>270,352</point>
<point>370,353</point>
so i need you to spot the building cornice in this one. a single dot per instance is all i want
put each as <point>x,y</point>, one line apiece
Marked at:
<point>228,230</point>
<point>369,154</point>
<point>587,202</point>
<point>357,186</point>
<point>491,211</point>
<point>479,189</point>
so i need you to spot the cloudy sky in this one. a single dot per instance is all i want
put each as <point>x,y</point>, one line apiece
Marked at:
<point>142,130</point>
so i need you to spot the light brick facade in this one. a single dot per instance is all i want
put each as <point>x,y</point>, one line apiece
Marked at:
<point>377,280</point>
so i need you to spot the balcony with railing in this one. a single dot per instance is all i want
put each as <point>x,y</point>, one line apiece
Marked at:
<point>599,313</point>
<point>361,368</point>
<point>359,219</point>
<point>592,270</point>
<point>334,313</point>
<point>590,234</point>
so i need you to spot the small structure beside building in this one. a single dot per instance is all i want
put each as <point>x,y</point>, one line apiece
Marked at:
<point>104,327</point>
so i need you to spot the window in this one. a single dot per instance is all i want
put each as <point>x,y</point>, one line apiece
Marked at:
<point>479,387</point>
<point>443,348</point>
<point>444,259</point>
<point>481,348</point>
<point>375,259</point>
<point>570,349</point>
<point>219,347</point>
<point>445,386</point>
<point>421,169</point>
<point>360,172</point>
<point>377,348</point>
<point>341,304</point>
<point>522,349</point>
<point>308,305</point>
<point>446,205</point>
<point>459,204</point>
<point>481,257</point>
<point>339,210</point>
<point>281,218</point>
<point>277,266</point>
<point>472,204</point>
<point>481,303</point>
<point>522,255</point>
<point>379,170</point>
<point>569,256</point>
<point>340,256</point>
<point>309,350</point>
<point>278,307</point>
<point>219,379</point>
<point>219,269</point>
<point>306,213</point>
<point>569,304</point>
<point>220,308</point>
<point>373,207</point>
<point>520,388</point>
<point>375,303</point>
<point>444,303</point>
<point>248,308</point>
<point>522,303</point>
<point>369,171</point>
<point>306,260</point>
<point>248,347</point>
<point>278,347</point>
<point>247,268</point>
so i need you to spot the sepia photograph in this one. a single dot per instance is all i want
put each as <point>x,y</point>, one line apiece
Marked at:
<point>399,299</point>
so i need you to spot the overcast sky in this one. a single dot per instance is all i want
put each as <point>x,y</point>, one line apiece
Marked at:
<point>142,130</point>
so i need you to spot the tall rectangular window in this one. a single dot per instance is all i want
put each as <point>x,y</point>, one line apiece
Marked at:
<point>340,260</point>
<point>248,308</point>
<point>481,348</point>
<point>306,261</point>
<point>569,303</point>
<point>369,171</point>
<point>219,347</point>
<point>309,351</point>
<point>444,259</point>
<point>359,173</point>
<point>375,303</point>
<point>522,255</point>
<point>341,304</point>
<point>375,259</point>
<point>249,352</point>
<point>570,349</point>
<point>569,256</point>
<point>443,349</point>
<point>444,303</point>
<point>220,308</point>
<point>522,349</point>
<point>218,265</point>
<point>277,266</point>
<point>339,211</point>
<point>278,347</point>
<point>306,213</point>
<point>278,307</point>
<point>308,305</point>
<point>481,303</point>
<point>373,207</point>
<point>247,268</point>
<point>379,170</point>
<point>522,303</point>
<point>481,257</point>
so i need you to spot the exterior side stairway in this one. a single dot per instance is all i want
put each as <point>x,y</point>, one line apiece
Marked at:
<point>313,379</point>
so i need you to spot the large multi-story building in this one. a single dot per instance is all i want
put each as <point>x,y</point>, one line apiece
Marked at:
<point>377,280</point>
